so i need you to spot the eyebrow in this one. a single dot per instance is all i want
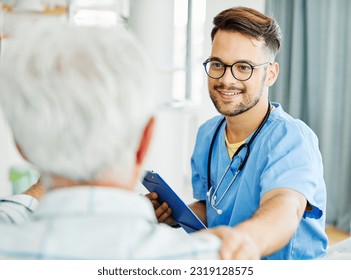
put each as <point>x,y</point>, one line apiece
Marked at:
<point>241,60</point>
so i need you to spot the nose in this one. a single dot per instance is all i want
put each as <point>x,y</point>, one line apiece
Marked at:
<point>228,77</point>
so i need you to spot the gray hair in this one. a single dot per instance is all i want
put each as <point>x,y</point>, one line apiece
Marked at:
<point>76,98</point>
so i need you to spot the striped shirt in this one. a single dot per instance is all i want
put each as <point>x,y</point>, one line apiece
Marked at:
<point>94,223</point>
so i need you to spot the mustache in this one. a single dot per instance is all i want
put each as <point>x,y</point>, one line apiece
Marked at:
<point>230,88</point>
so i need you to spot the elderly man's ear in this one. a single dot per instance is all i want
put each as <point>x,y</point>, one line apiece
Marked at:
<point>145,142</point>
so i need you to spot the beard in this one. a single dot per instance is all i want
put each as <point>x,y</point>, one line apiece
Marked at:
<point>228,108</point>
<point>231,108</point>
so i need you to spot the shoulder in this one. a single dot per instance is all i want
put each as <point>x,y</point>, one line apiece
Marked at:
<point>205,135</point>
<point>209,127</point>
<point>287,137</point>
<point>206,132</point>
<point>284,125</point>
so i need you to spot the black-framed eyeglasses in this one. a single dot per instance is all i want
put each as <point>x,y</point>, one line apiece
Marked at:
<point>241,70</point>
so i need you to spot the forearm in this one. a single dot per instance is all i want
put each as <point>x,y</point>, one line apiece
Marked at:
<point>16,209</point>
<point>199,208</point>
<point>275,222</point>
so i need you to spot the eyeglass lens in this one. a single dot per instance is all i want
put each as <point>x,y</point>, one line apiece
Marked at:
<point>241,70</point>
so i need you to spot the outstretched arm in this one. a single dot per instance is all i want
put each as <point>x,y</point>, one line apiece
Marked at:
<point>269,229</point>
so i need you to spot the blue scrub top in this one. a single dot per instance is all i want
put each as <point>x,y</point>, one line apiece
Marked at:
<point>284,154</point>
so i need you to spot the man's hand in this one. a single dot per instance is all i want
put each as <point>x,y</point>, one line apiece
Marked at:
<point>162,211</point>
<point>236,245</point>
<point>37,191</point>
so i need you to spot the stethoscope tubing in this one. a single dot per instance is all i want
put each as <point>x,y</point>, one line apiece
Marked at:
<point>247,145</point>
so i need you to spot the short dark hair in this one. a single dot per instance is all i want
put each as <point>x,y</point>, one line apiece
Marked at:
<point>249,22</point>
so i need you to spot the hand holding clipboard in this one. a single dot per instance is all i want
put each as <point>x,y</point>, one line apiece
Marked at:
<point>180,211</point>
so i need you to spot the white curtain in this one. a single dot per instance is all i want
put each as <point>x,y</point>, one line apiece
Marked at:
<point>315,86</point>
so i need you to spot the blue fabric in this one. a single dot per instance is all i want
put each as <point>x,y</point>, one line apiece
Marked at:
<point>284,154</point>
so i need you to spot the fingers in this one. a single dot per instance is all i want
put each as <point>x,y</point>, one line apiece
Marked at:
<point>229,246</point>
<point>236,251</point>
<point>155,204</point>
<point>152,196</point>
<point>162,211</point>
<point>236,245</point>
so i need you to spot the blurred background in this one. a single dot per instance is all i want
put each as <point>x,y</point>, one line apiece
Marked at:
<point>314,83</point>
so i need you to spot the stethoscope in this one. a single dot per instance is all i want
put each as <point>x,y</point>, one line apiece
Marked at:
<point>213,197</point>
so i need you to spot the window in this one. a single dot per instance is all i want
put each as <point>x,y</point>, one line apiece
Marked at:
<point>104,13</point>
<point>189,19</point>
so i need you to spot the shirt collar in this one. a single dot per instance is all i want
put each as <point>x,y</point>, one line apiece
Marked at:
<point>84,200</point>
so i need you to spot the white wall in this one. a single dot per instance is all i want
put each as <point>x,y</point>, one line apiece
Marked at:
<point>171,148</point>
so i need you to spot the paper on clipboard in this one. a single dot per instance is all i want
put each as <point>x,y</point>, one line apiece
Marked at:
<point>180,211</point>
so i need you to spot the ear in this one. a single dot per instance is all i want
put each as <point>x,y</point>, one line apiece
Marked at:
<point>272,74</point>
<point>145,142</point>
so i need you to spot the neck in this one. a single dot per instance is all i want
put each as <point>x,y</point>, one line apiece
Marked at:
<point>52,182</point>
<point>240,127</point>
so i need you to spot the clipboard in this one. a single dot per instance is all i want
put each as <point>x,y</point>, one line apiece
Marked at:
<point>185,217</point>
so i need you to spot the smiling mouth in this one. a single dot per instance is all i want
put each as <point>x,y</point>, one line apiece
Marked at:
<point>230,93</point>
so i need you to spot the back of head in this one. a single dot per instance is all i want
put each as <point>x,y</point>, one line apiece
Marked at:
<point>77,98</point>
<point>251,23</point>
